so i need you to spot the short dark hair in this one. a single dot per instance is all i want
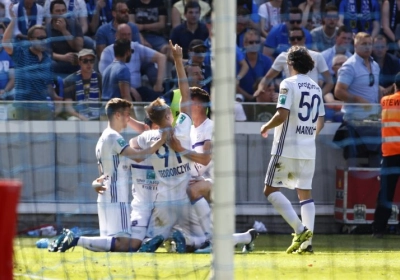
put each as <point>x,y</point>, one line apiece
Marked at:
<point>330,8</point>
<point>298,29</point>
<point>343,29</point>
<point>55,2</point>
<point>196,92</point>
<point>295,10</point>
<point>115,105</point>
<point>300,59</point>
<point>121,46</point>
<point>116,2</point>
<point>191,5</point>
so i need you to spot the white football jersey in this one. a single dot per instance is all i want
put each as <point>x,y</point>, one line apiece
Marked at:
<point>114,166</point>
<point>295,137</point>
<point>144,182</point>
<point>172,169</point>
<point>198,136</point>
<point>320,65</point>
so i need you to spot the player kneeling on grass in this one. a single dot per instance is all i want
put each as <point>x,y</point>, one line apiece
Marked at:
<point>297,122</point>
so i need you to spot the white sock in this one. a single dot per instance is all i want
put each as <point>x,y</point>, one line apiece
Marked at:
<point>195,241</point>
<point>241,238</point>
<point>285,208</point>
<point>308,217</point>
<point>203,211</point>
<point>96,244</point>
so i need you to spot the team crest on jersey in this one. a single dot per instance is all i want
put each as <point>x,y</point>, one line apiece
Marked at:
<point>283,91</point>
<point>282,99</point>
<point>150,175</point>
<point>121,142</point>
<point>134,223</point>
<point>125,167</point>
<point>181,119</point>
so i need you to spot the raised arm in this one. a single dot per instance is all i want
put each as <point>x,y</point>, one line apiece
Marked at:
<point>182,78</point>
<point>8,33</point>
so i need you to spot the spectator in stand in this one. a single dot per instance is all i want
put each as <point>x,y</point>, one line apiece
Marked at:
<point>360,15</point>
<point>278,38</point>
<point>296,37</point>
<point>29,14</point>
<point>150,16</point>
<point>83,87</point>
<point>76,9</point>
<point>66,39</point>
<point>358,80</point>
<point>178,14</point>
<point>6,71</point>
<point>270,15</point>
<point>197,55</point>
<point>105,35</point>
<point>4,12</point>
<point>241,65</point>
<point>263,112</point>
<point>252,7</point>
<point>116,77</point>
<point>140,55</point>
<point>191,29</point>
<point>99,13</point>
<point>242,24</point>
<point>173,97</point>
<point>342,45</point>
<point>333,105</point>
<point>312,13</point>
<point>324,36</point>
<point>258,63</point>
<point>391,23</point>
<point>33,74</point>
<point>389,64</point>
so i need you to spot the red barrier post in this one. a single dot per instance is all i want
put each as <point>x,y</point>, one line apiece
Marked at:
<point>9,193</point>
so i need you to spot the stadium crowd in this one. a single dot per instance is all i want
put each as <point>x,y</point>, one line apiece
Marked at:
<point>72,57</point>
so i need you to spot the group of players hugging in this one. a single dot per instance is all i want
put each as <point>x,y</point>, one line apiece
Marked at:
<point>169,164</point>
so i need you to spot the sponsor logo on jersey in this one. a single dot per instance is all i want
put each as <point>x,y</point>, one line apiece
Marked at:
<point>150,174</point>
<point>175,171</point>
<point>149,187</point>
<point>283,91</point>
<point>282,99</point>
<point>181,119</point>
<point>125,167</point>
<point>121,142</point>
<point>308,86</point>
<point>134,223</point>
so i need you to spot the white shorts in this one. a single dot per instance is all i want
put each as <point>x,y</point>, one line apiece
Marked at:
<point>114,218</point>
<point>140,217</point>
<point>166,215</point>
<point>290,173</point>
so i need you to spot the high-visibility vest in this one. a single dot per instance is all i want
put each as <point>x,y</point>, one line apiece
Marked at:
<point>391,124</point>
<point>175,102</point>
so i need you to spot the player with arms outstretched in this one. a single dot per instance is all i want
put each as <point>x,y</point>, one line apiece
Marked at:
<point>297,122</point>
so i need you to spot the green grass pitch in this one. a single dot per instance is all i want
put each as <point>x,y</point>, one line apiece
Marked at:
<point>336,257</point>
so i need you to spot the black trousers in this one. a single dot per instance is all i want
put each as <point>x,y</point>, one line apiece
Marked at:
<point>390,173</point>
